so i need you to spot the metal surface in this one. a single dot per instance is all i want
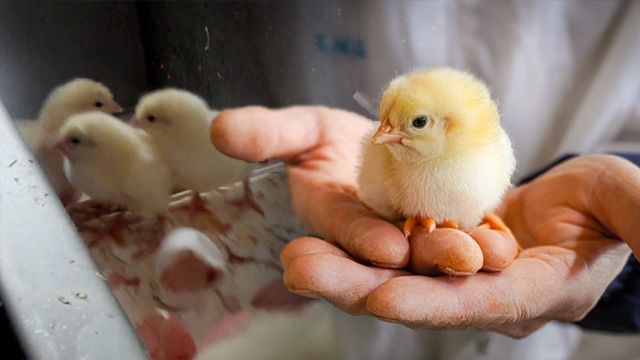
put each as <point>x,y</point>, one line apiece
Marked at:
<point>60,307</point>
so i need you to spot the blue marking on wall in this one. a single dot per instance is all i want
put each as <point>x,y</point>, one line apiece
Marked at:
<point>353,48</point>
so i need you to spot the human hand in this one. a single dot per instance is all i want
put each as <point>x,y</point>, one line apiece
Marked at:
<point>569,258</point>
<point>320,147</point>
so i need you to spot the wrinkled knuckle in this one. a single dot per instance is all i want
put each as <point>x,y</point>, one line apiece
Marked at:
<point>323,116</point>
<point>524,310</point>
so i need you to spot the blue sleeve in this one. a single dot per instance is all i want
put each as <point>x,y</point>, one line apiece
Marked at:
<point>618,310</point>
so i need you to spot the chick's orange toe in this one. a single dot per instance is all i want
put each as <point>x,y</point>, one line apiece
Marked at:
<point>495,223</point>
<point>408,226</point>
<point>428,223</point>
<point>449,224</point>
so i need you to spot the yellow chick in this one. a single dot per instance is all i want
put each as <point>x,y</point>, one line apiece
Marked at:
<point>178,121</point>
<point>439,156</point>
<point>73,97</point>
<point>114,163</point>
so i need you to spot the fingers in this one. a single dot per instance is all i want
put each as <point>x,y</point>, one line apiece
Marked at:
<point>455,252</point>
<point>316,268</point>
<point>532,286</point>
<point>498,248</point>
<point>275,296</point>
<point>255,133</point>
<point>445,251</point>
<point>343,219</point>
<point>617,198</point>
<point>307,246</point>
<point>604,189</point>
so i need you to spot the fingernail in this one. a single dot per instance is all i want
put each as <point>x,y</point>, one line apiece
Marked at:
<point>305,293</point>
<point>386,265</point>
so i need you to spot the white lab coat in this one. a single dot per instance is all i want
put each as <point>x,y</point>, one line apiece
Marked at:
<point>567,78</point>
<point>565,73</point>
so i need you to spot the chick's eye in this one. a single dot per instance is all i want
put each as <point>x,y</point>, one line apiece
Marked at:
<point>75,141</point>
<point>98,104</point>
<point>151,118</point>
<point>419,122</point>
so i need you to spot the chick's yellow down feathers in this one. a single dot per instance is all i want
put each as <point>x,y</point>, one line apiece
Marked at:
<point>439,154</point>
<point>178,122</point>
<point>73,97</point>
<point>114,163</point>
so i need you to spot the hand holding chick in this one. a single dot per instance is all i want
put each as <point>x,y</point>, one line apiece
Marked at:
<point>439,156</point>
<point>321,148</point>
<point>74,97</point>
<point>569,257</point>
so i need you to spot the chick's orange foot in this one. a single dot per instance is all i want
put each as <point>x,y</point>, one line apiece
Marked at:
<point>449,224</point>
<point>428,223</point>
<point>494,222</point>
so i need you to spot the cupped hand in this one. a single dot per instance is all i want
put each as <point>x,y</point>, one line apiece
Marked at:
<point>569,221</point>
<point>320,147</point>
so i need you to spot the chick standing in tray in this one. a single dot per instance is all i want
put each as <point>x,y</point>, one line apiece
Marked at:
<point>439,156</point>
<point>114,163</point>
<point>74,97</point>
<point>179,121</point>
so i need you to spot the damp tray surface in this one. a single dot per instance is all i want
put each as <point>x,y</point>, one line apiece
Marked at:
<point>71,280</point>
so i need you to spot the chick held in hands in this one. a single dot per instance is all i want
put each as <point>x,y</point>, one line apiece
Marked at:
<point>114,163</point>
<point>439,156</point>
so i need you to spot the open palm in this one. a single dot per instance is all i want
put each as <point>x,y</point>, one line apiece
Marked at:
<point>569,221</point>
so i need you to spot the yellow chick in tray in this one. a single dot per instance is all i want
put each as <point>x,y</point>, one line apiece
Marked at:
<point>439,156</point>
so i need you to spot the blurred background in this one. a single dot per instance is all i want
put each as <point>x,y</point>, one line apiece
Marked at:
<point>556,67</point>
<point>565,74</point>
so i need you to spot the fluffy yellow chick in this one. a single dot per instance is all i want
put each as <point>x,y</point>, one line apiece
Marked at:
<point>74,97</point>
<point>179,121</point>
<point>114,163</point>
<point>439,156</point>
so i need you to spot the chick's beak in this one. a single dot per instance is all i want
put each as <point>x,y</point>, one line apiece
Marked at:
<point>114,108</point>
<point>135,121</point>
<point>385,135</point>
<point>62,146</point>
